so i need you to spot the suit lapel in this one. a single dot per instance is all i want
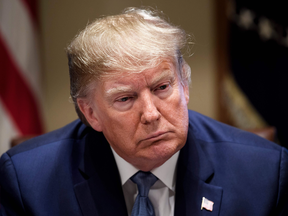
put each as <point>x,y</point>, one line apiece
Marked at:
<point>97,184</point>
<point>194,172</point>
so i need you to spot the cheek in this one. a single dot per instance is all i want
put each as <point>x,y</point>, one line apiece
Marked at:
<point>177,112</point>
<point>178,102</point>
<point>120,127</point>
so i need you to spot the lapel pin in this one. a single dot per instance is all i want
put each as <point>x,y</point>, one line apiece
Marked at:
<point>207,204</point>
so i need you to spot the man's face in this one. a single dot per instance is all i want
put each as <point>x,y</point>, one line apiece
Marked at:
<point>143,116</point>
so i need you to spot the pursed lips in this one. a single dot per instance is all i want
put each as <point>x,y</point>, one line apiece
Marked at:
<point>155,136</point>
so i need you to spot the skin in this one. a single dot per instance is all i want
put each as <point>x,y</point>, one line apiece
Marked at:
<point>143,116</point>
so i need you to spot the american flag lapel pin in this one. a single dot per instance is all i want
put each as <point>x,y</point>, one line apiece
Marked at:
<point>207,204</point>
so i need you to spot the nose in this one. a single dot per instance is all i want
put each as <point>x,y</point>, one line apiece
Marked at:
<point>150,113</point>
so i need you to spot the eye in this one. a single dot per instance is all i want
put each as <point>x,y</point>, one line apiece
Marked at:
<point>163,90</point>
<point>124,103</point>
<point>123,99</point>
<point>162,87</point>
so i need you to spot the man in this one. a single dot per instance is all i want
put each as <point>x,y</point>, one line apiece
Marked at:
<point>137,149</point>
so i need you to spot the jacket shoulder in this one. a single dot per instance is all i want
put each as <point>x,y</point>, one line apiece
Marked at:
<point>73,131</point>
<point>206,129</point>
<point>40,169</point>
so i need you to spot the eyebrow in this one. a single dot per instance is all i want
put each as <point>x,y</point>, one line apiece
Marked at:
<point>118,89</point>
<point>166,73</point>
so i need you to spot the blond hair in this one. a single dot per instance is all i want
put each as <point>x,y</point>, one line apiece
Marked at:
<point>133,41</point>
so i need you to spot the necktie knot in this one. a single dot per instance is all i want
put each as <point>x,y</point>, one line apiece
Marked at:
<point>144,181</point>
<point>142,205</point>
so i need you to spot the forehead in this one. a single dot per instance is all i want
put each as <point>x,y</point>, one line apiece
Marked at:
<point>164,70</point>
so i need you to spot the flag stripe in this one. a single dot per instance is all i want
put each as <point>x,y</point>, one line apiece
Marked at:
<point>32,6</point>
<point>21,39</point>
<point>16,95</point>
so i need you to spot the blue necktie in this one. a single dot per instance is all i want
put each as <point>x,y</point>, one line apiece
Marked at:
<point>142,205</point>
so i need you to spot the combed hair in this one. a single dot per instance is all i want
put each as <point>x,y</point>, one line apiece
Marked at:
<point>133,41</point>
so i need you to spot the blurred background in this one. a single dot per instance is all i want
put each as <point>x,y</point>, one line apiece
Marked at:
<point>233,40</point>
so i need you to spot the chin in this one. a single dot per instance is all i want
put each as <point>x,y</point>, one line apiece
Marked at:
<point>167,148</point>
<point>158,155</point>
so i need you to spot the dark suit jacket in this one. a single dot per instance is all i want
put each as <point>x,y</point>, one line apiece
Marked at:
<point>72,171</point>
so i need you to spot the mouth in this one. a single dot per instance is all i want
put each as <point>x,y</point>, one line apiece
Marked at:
<point>156,136</point>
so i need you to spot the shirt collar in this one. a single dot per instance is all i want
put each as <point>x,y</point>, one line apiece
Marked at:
<point>165,172</point>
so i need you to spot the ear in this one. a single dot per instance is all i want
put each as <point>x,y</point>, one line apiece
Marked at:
<point>186,91</point>
<point>90,113</point>
<point>185,83</point>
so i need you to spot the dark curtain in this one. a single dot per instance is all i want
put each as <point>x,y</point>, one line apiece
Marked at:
<point>259,58</point>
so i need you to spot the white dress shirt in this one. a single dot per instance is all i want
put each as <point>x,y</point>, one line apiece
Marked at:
<point>161,194</point>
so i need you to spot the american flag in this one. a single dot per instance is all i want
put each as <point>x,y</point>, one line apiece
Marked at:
<point>20,86</point>
<point>207,204</point>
